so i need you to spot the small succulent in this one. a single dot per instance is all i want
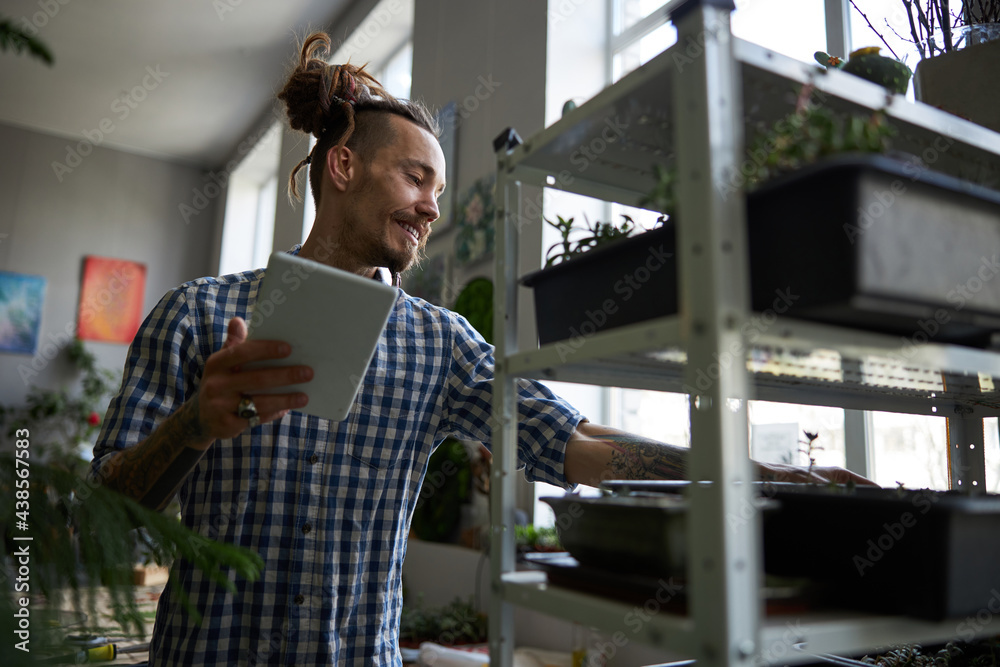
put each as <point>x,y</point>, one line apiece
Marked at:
<point>866,63</point>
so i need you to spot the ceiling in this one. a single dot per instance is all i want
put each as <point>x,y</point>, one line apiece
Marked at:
<point>184,80</point>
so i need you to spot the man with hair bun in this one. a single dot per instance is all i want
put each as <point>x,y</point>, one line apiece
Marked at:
<point>328,504</point>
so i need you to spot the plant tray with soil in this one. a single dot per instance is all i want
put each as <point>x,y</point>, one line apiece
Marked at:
<point>864,241</point>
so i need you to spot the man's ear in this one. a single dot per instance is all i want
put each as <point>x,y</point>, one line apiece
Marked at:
<point>341,166</point>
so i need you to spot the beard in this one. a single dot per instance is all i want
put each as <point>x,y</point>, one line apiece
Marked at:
<point>369,242</point>
<point>370,246</point>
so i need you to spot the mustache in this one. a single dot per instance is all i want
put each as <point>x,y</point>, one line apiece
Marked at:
<point>417,221</point>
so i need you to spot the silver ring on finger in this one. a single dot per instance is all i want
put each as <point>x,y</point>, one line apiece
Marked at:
<point>247,410</point>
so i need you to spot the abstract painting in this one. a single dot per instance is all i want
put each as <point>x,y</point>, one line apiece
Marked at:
<point>21,298</point>
<point>111,299</point>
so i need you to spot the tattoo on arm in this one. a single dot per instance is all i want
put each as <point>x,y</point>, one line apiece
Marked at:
<point>153,470</point>
<point>635,457</point>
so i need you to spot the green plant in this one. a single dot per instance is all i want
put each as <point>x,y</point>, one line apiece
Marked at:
<point>867,64</point>
<point>475,303</point>
<point>447,484</point>
<point>531,538</point>
<point>455,623</point>
<point>811,132</point>
<point>80,533</point>
<point>596,234</point>
<point>18,41</point>
<point>62,422</point>
<point>662,197</point>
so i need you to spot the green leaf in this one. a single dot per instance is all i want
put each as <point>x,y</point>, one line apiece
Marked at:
<point>78,526</point>
<point>17,40</point>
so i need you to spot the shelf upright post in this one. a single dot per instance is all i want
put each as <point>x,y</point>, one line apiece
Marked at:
<point>504,420</point>
<point>967,455</point>
<point>966,438</point>
<point>724,529</point>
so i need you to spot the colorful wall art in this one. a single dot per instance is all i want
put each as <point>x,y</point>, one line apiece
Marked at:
<point>21,298</point>
<point>111,299</point>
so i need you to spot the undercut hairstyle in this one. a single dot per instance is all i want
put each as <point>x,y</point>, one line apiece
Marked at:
<point>341,105</point>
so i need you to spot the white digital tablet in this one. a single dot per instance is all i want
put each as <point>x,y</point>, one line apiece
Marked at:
<point>331,318</point>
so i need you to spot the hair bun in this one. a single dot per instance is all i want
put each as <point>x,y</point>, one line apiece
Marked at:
<point>304,91</point>
<point>324,100</point>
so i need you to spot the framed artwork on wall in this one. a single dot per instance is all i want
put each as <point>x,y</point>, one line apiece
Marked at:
<point>111,299</point>
<point>475,222</point>
<point>21,299</point>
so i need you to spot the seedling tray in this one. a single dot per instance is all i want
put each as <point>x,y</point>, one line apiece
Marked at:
<point>927,554</point>
<point>860,241</point>
<point>627,281</point>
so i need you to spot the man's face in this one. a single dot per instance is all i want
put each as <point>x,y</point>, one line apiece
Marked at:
<point>394,202</point>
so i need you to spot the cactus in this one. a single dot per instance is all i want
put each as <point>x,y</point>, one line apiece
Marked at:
<point>887,72</point>
<point>869,65</point>
<point>826,60</point>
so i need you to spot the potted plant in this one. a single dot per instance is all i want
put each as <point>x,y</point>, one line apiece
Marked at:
<point>532,539</point>
<point>957,42</point>
<point>838,232</point>
<point>869,64</point>
<point>82,535</point>
<point>604,267</point>
<point>455,624</point>
<point>447,485</point>
<point>617,276</point>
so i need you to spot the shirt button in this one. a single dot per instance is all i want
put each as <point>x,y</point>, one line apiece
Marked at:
<point>299,599</point>
<point>313,459</point>
<point>306,528</point>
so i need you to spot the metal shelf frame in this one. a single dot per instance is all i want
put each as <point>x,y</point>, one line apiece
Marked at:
<point>691,107</point>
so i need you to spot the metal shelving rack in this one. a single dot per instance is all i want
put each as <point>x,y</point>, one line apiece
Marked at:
<point>691,106</point>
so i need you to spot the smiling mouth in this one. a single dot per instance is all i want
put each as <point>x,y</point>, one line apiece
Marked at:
<point>411,230</point>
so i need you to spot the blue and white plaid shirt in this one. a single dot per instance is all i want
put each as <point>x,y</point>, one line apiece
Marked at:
<point>326,504</point>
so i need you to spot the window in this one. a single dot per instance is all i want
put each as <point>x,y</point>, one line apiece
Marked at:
<point>251,200</point>
<point>992,446</point>
<point>795,28</point>
<point>911,450</point>
<point>889,18</point>
<point>906,448</point>
<point>396,76</point>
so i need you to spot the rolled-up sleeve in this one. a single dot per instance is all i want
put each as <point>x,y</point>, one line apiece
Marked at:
<point>160,370</point>
<point>545,421</point>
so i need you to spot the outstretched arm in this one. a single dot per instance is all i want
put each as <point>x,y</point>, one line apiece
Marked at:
<point>598,453</point>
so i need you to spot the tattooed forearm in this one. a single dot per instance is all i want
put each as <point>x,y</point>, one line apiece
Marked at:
<point>635,457</point>
<point>153,470</point>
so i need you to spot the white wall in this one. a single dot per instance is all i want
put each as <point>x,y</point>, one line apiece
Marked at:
<point>489,58</point>
<point>113,204</point>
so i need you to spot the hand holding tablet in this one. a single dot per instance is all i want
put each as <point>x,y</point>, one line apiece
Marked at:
<point>331,318</point>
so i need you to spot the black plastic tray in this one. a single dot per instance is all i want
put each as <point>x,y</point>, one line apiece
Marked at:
<point>877,243</point>
<point>921,553</point>
<point>625,282</point>
<point>928,554</point>
<point>859,240</point>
